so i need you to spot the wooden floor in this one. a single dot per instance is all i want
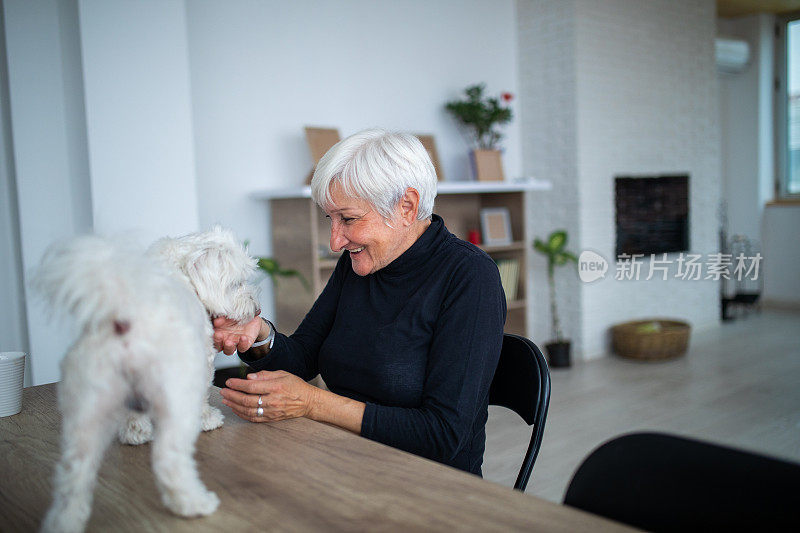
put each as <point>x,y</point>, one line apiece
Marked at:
<point>739,384</point>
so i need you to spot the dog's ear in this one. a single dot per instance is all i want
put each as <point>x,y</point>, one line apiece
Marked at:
<point>217,276</point>
<point>218,268</point>
<point>208,267</point>
<point>205,269</point>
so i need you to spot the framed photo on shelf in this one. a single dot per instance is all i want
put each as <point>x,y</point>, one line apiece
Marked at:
<point>319,140</point>
<point>496,226</point>
<point>430,145</point>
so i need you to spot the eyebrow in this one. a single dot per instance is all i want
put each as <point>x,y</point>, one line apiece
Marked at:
<point>343,210</point>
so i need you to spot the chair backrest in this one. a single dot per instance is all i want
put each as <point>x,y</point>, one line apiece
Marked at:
<point>522,384</point>
<point>662,482</point>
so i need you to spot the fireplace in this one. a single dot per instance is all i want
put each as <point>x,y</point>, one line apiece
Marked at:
<point>652,214</point>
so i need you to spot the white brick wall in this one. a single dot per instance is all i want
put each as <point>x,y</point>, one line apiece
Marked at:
<point>636,94</point>
<point>547,112</point>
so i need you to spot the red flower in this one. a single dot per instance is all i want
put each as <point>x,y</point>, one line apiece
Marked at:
<point>507,97</point>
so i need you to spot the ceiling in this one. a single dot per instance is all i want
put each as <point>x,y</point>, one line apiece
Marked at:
<point>739,8</point>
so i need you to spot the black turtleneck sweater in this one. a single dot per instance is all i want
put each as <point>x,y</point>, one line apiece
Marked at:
<point>418,341</point>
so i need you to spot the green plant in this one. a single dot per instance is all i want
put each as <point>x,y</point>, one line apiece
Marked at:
<point>481,115</point>
<point>553,250</point>
<point>273,270</point>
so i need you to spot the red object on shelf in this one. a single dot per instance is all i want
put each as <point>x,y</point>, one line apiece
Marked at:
<point>474,236</point>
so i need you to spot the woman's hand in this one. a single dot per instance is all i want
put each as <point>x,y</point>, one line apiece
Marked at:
<point>283,395</point>
<point>230,336</point>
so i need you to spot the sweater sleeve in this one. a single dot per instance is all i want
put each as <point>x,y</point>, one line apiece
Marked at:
<point>299,352</point>
<point>461,363</point>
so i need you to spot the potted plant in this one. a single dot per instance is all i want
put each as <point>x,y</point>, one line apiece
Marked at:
<point>271,268</point>
<point>481,116</point>
<point>558,350</point>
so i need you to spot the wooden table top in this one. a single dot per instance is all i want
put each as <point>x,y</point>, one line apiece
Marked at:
<point>295,475</point>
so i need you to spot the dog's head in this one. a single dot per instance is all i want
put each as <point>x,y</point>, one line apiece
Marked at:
<point>218,267</point>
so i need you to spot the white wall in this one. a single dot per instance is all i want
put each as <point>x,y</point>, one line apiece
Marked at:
<point>781,250</point>
<point>746,122</point>
<point>159,117</point>
<point>548,96</point>
<point>139,117</point>
<point>647,104</point>
<point>49,152</point>
<point>102,132</point>
<point>637,95</point>
<point>748,161</point>
<point>13,329</point>
<point>263,70</point>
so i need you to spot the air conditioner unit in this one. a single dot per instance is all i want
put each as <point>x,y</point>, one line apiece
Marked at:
<point>732,54</point>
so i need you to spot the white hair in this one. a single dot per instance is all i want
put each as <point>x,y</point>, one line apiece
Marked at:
<point>377,166</point>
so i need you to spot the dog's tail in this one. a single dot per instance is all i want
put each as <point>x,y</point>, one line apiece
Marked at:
<point>89,278</point>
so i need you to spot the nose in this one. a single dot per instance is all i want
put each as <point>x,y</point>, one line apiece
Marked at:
<point>338,240</point>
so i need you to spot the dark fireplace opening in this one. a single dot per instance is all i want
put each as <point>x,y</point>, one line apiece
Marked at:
<point>652,214</point>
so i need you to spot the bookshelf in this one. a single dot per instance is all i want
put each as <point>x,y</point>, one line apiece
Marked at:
<point>300,240</point>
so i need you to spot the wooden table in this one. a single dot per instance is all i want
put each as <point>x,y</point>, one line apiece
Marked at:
<point>295,475</point>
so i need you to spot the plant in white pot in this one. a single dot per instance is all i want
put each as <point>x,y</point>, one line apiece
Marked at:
<point>558,349</point>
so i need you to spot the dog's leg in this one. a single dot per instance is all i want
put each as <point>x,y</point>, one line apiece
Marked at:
<point>212,417</point>
<point>137,429</point>
<point>88,426</point>
<point>177,426</point>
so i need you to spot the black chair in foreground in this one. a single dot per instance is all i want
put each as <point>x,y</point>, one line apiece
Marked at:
<point>522,384</point>
<point>662,482</point>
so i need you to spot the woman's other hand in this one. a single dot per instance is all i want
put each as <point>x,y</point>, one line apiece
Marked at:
<point>283,395</point>
<point>230,336</point>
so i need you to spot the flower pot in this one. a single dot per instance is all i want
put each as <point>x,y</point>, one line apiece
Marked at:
<point>558,354</point>
<point>488,165</point>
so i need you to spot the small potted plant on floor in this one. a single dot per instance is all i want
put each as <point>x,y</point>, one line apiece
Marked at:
<point>481,116</point>
<point>558,350</point>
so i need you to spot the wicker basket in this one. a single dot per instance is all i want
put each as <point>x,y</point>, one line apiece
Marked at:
<point>651,339</point>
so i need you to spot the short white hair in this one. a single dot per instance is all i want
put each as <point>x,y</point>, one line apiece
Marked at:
<point>377,166</point>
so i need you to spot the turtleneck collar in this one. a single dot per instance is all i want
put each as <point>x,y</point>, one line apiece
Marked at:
<point>419,252</point>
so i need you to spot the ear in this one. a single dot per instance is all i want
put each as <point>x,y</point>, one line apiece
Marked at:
<point>409,206</point>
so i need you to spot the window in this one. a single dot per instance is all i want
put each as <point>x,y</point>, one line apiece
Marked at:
<point>788,107</point>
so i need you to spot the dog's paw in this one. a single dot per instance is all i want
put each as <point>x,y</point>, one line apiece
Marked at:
<point>189,504</point>
<point>137,430</point>
<point>212,418</point>
<point>56,524</point>
<point>66,516</point>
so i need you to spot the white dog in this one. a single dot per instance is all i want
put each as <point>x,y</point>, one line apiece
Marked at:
<point>145,352</point>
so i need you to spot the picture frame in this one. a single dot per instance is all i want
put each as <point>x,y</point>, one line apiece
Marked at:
<point>319,140</point>
<point>496,226</point>
<point>430,145</point>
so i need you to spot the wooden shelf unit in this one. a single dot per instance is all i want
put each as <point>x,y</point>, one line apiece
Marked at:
<point>300,240</point>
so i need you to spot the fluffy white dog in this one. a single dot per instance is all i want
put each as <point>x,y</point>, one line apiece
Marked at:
<point>145,353</point>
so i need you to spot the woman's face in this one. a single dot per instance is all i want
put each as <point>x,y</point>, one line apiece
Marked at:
<point>359,229</point>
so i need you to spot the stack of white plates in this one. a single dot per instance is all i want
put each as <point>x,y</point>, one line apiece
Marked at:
<point>12,371</point>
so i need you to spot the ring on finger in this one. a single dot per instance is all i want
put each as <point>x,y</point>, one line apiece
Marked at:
<point>259,400</point>
<point>260,411</point>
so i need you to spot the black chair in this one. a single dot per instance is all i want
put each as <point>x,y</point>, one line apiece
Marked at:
<point>661,482</point>
<point>522,384</point>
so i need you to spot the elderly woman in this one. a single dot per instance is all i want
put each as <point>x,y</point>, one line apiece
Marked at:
<point>408,330</point>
